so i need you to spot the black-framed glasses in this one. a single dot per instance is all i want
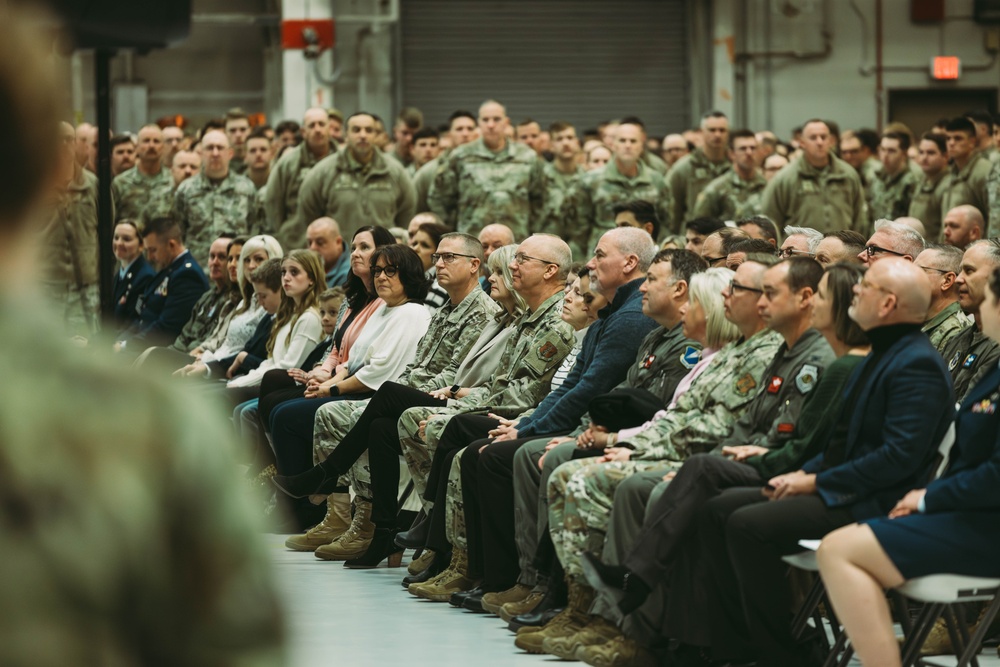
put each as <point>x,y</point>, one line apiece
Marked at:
<point>713,260</point>
<point>448,257</point>
<point>521,258</point>
<point>871,250</point>
<point>931,268</point>
<point>733,286</point>
<point>389,270</point>
<point>785,253</point>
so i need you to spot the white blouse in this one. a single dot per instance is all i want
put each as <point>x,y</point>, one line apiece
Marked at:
<point>388,343</point>
<point>241,327</point>
<point>287,353</point>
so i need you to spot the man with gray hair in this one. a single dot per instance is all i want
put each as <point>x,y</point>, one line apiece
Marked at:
<point>892,239</point>
<point>945,319</point>
<point>800,241</point>
<point>963,225</point>
<point>970,354</point>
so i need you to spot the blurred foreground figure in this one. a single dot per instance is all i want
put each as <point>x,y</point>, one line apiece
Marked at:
<point>125,540</point>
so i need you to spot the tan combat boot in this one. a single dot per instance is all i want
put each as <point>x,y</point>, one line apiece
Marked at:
<point>354,542</point>
<point>454,579</point>
<point>597,631</point>
<point>567,622</point>
<point>418,565</point>
<point>617,652</point>
<point>525,606</point>
<point>334,524</point>
<point>493,601</point>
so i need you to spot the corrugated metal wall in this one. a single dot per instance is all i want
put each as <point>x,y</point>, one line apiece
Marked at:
<point>549,59</point>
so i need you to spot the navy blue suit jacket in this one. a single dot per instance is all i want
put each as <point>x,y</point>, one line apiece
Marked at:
<point>900,417</point>
<point>167,303</point>
<point>127,290</point>
<point>972,481</point>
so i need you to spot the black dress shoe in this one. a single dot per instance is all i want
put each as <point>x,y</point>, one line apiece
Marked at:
<point>416,536</point>
<point>533,619</point>
<point>458,599</point>
<point>474,600</point>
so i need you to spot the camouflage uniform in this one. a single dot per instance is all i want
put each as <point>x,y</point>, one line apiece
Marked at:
<point>281,197</point>
<point>68,243</point>
<point>589,207</point>
<point>523,377</point>
<point>869,173</point>
<point>160,204</point>
<point>968,186</point>
<point>454,507</point>
<point>687,178</point>
<point>557,186</point>
<point>131,191</point>
<point>422,181</point>
<point>452,332</point>
<point>475,187</point>
<point>729,197</point>
<point>238,165</point>
<point>357,195</point>
<point>944,326</point>
<point>828,200</point>
<point>970,355</point>
<point>891,195</point>
<point>214,305</point>
<point>993,191</point>
<point>206,209</point>
<point>581,493</point>
<point>654,162</point>
<point>925,205</point>
<point>125,492</point>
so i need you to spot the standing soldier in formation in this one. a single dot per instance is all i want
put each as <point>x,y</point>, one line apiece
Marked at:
<point>689,175</point>
<point>925,206</point>
<point>237,128</point>
<point>358,186</point>
<point>893,187</point>
<point>993,194</point>
<point>461,130</point>
<point>590,206</point>
<point>172,138</point>
<point>161,202</point>
<point>490,180</point>
<point>281,200</point>
<point>969,168</point>
<point>736,194</point>
<point>258,158</point>
<point>558,179</point>
<point>68,240</point>
<point>818,190</point>
<point>133,189</point>
<point>215,200</point>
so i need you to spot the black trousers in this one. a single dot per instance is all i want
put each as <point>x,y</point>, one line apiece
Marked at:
<point>742,541</point>
<point>672,520</point>
<point>276,387</point>
<point>460,431</point>
<point>376,431</point>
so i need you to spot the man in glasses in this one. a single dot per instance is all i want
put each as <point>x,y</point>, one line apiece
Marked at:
<point>970,354</point>
<point>945,319</point>
<point>842,246</point>
<point>892,239</point>
<point>718,245</point>
<point>800,241</point>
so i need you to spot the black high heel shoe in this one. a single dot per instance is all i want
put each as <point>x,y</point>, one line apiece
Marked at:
<point>381,547</point>
<point>314,481</point>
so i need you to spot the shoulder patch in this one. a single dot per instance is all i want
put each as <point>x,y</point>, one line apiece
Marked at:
<point>969,361</point>
<point>547,351</point>
<point>690,357</point>
<point>745,384</point>
<point>806,379</point>
<point>954,361</point>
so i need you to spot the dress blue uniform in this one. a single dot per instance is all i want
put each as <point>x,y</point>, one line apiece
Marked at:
<point>128,288</point>
<point>165,307</point>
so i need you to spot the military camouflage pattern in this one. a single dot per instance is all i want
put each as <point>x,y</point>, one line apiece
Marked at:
<point>454,507</point>
<point>687,178</point>
<point>993,193</point>
<point>206,209</point>
<point>422,181</point>
<point>891,195</point>
<point>729,197</point>
<point>970,355</point>
<point>557,186</point>
<point>281,197</point>
<point>707,412</point>
<point>214,305</point>
<point>160,204</point>
<point>475,187</point>
<point>357,195</point>
<point>944,326</point>
<point>828,200</point>
<point>589,207</point>
<point>131,191</point>
<point>969,186</point>
<point>925,205</point>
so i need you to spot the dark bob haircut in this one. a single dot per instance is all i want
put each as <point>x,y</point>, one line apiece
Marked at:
<point>410,269</point>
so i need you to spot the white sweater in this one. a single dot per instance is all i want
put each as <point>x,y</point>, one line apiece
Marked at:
<point>388,343</point>
<point>287,353</point>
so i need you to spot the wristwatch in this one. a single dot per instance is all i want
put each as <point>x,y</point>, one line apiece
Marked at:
<point>454,389</point>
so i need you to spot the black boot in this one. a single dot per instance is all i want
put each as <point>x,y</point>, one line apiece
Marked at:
<point>315,481</point>
<point>381,547</point>
<point>617,583</point>
<point>416,536</point>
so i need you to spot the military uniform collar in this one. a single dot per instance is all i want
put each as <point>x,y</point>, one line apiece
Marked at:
<point>700,158</point>
<point>376,166</point>
<point>737,180</point>
<point>180,259</point>
<point>803,346</point>
<point>945,313</point>
<point>458,310</point>
<point>929,184</point>
<point>611,173</point>
<point>548,304</point>
<point>967,169</point>
<point>892,180</point>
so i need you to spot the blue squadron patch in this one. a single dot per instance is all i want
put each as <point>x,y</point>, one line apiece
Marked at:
<point>969,360</point>
<point>690,357</point>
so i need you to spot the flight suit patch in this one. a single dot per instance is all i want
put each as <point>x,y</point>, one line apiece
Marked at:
<point>690,357</point>
<point>745,384</point>
<point>969,361</point>
<point>774,386</point>
<point>806,379</point>
<point>547,352</point>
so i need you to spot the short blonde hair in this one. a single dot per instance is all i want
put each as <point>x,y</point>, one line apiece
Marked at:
<point>705,289</point>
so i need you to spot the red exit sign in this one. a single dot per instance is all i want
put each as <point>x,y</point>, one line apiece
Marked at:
<point>946,68</point>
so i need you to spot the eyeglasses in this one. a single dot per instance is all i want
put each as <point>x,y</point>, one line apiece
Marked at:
<point>931,268</point>
<point>713,260</point>
<point>521,258</point>
<point>865,284</point>
<point>870,250</point>
<point>733,286</point>
<point>785,253</point>
<point>390,271</point>
<point>448,257</point>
